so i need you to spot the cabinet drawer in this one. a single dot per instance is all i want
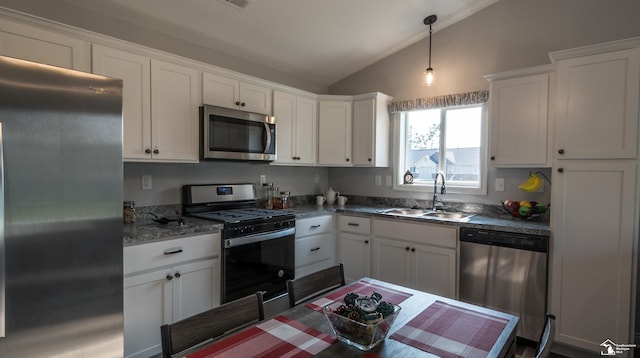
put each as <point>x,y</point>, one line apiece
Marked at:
<point>313,249</point>
<point>170,252</point>
<point>354,224</point>
<point>313,226</point>
<point>431,234</point>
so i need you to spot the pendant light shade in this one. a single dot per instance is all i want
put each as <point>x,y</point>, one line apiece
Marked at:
<point>429,75</point>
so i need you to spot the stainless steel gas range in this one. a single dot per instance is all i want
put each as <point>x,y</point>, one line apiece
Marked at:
<point>258,244</point>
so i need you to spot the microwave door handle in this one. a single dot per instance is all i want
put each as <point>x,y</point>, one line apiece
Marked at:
<point>267,131</point>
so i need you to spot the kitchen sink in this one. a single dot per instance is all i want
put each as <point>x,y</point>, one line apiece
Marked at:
<point>404,212</point>
<point>448,215</point>
<point>427,214</point>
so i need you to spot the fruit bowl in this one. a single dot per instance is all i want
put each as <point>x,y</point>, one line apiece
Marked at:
<point>362,335</point>
<point>524,209</point>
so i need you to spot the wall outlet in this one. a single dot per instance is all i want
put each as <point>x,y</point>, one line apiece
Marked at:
<point>146,182</point>
<point>388,180</point>
<point>499,185</point>
<point>317,179</point>
<point>263,179</point>
<point>378,180</point>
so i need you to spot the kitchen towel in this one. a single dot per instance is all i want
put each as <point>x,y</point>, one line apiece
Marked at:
<point>363,288</point>
<point>277,337</point>
<point>451,331</point>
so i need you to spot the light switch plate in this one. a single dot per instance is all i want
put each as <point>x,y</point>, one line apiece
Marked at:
<point>146,182</point>
<point>378,180</point>
<point>499,186</point>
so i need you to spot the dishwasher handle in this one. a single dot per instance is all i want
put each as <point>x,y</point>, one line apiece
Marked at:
<point>505,239</point>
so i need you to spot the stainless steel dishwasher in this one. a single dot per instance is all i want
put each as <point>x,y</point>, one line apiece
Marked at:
<point>506,272</point>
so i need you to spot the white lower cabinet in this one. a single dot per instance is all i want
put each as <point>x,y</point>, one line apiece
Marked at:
<point>420,256</point>
<point>165,282</point>
<point>354,249</point>
<point>315,244</point>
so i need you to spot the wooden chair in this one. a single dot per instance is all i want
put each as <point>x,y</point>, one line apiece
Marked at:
<point>199,328</point>
<point>546,339</point>
<point>314,284</point>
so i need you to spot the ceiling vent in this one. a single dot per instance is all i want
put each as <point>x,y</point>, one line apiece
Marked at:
<point>237,4</point>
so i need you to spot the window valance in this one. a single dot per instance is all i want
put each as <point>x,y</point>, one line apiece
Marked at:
<point>451,100</point>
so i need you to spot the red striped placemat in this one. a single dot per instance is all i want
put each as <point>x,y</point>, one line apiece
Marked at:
<point>277,337</point>
<point>450,331</point>
<point>364,288</point>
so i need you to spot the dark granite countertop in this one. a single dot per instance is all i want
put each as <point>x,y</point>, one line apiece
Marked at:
<point>482,221</point>
<point>145,230</point>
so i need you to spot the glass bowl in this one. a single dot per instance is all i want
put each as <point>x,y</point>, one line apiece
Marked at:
<point>363,336</point>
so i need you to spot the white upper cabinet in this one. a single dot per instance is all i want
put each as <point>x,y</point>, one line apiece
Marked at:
<point>597,105</point>
<point>371,131</point>
<point>32,44</point>
<point>334,133</point>
<point>518,118</point>
<point>232,93</point>
<point>160,105</point>
<point>297,122</point>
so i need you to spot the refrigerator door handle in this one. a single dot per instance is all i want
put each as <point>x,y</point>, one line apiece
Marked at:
<point>3,281</point>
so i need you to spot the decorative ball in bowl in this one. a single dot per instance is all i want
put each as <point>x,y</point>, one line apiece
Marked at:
<point>361,321</point>
<point>525,209</point>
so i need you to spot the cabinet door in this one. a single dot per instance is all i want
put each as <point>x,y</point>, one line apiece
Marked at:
<point>597,114</point>
<point>254,98</point>
<point>433,270</point>
<point>147,306</point>
<point>306,132</point>
<point>518,121</point>
<point>391,261</point>
<point>174,111</point>
<point>32,44</point>
<point>592,248</point>
<point>135,72</point>
<point>355,255</point>
<point>196,288</point>
<point>284,109</point>
<point>334,134</point>
<point>220,91</point>
<point>363,131</point>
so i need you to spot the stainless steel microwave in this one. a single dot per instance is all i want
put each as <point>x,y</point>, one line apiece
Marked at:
<point>237,135</point>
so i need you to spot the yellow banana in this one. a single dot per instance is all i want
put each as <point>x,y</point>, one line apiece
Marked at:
<point>532,184</point>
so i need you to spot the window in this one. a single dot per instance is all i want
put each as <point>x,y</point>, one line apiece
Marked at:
<point>450,140</point>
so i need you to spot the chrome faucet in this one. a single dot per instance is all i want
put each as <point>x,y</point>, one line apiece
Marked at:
<point>437,203</point>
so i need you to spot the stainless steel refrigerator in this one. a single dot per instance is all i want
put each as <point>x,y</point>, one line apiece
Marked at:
<point>60,212</point>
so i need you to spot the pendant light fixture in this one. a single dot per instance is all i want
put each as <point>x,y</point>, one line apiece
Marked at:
<point>429,76</point>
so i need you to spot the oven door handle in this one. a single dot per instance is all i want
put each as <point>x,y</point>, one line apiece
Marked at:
<point>250,239</point>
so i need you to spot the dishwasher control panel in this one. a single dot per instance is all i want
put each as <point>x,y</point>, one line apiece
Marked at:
<point>506,239</point>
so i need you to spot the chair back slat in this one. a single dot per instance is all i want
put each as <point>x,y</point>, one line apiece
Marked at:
<point>546,338</point>
<point>305,287</point>
<point>220,320</point>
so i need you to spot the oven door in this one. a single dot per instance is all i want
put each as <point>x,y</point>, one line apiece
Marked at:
<point>237,135</point>
<point>258,262</point>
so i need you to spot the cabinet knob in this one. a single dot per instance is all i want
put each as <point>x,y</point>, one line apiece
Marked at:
<point>493,157</point>
<point>413,249</point>
<point>560,170</point>
<point>347,159</point>
<point>237,103</point>
<point>156,151</point>
<point>369,159</point>
<point>407,248</point>
<point>169,277</point>
<point>243,104</point>
<point>366,241</point>
<point>178,274</point>
<point>148,151</point>
<point>560,151</point>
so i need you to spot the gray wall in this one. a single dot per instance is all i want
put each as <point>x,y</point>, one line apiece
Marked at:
<point>167,179</point>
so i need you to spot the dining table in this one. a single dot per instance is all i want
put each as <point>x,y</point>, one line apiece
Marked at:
<point>427,325</point>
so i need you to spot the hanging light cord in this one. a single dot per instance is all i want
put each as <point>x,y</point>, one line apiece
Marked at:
<point>429,46</point>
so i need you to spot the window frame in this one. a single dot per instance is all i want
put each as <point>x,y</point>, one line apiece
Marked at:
<point>399,138</point>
